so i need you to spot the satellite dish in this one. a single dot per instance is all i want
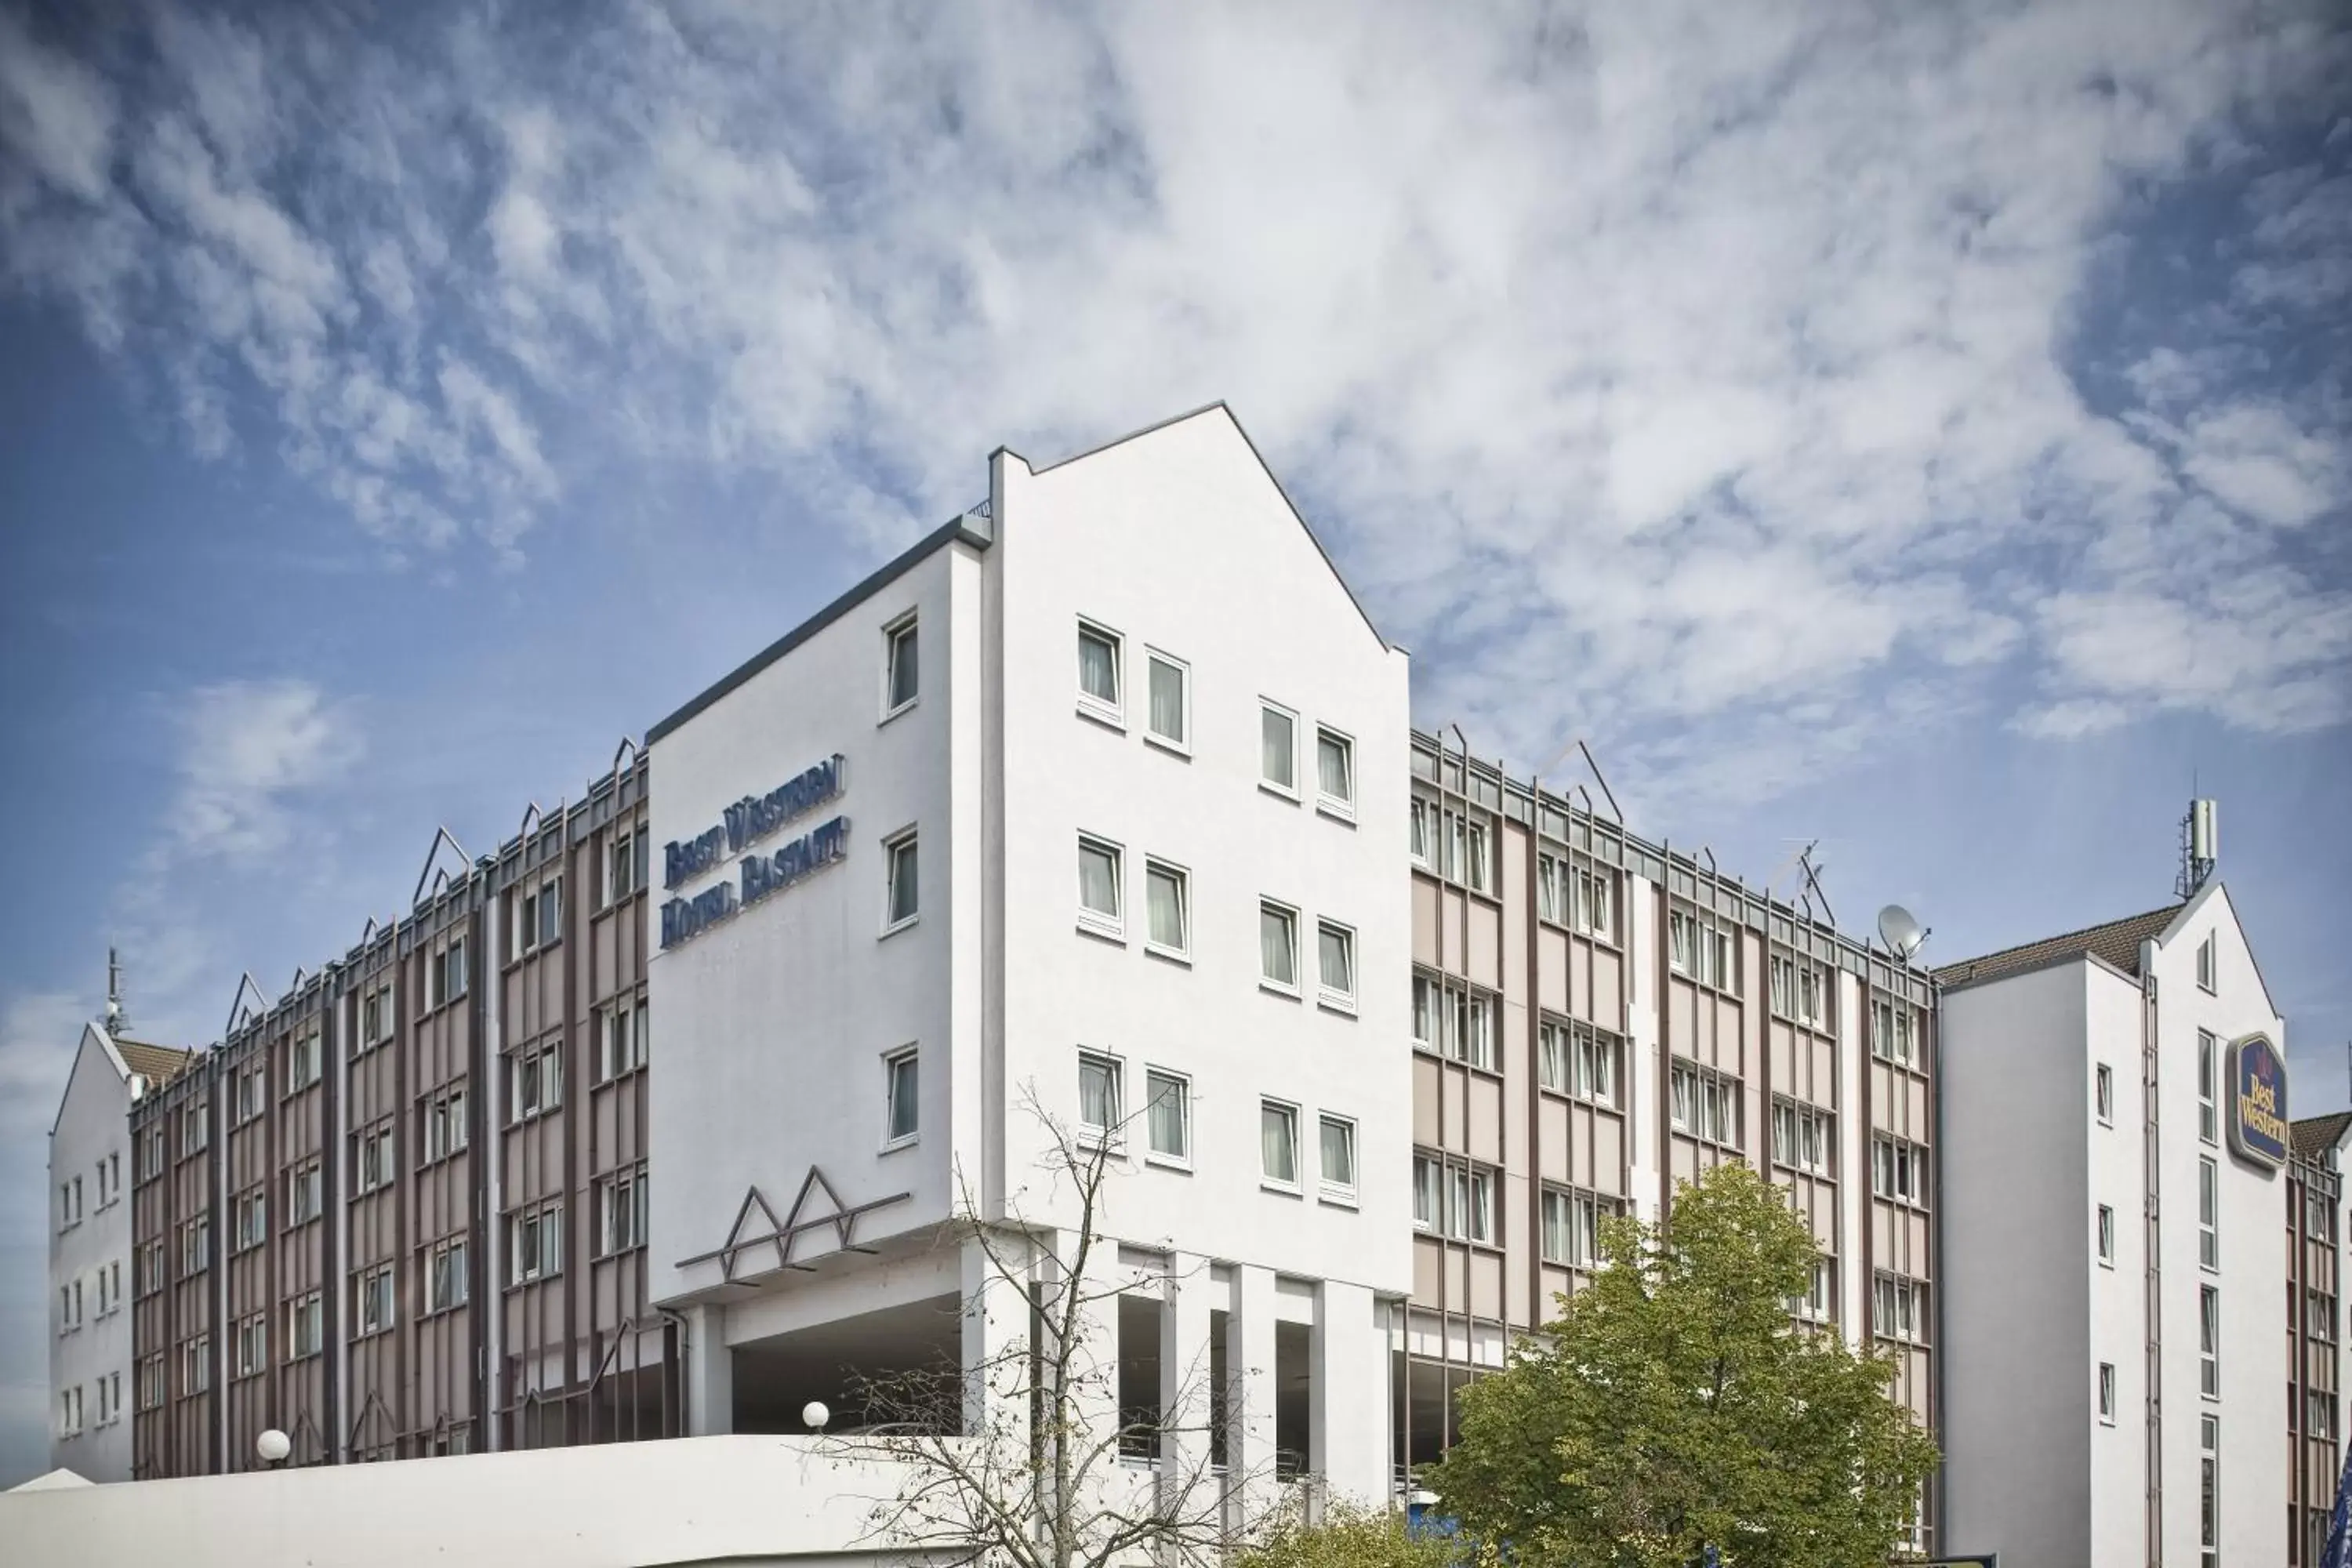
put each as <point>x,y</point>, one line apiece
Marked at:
<point>1900,932</point>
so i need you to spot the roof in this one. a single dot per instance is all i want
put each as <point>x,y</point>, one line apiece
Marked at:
<point>2117,943</point>
<point>2316,1135</point>
<point>159,1065</point>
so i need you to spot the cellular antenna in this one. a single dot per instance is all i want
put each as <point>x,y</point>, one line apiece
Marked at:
<point>1900,932</point>
<point>2200,846</point>
<point>116,1019</point>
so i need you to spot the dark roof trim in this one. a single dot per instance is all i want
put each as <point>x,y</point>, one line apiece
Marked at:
<point>1226,409</point>
<point>963,530</point>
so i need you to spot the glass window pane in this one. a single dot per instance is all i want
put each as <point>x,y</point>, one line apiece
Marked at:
<point>1098,667</point>
<point>1097,1092</point>
<point>1165,892</point>
<point>1278,1143</point>
<point>1167,1115</point>
<point>1277,946</point>
<point>902,881</point>
<point>1280,760</point>
<point>1331,769</point>
<point>1338,1153</point>
<point>1339,965</point>
<point>1099,879</point>
<point>902,667</point>
<point>902,1096</point>
<point>1167,701</point>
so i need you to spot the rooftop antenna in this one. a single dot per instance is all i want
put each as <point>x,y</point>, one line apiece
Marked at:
<point>117,1019</point>
<point>1901,932</point>
<point>2201,843</point>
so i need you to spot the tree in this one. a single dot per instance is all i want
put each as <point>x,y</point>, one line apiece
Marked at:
<point>1012,1457</point>
<point>1349,1535</point>
<point>1675,1406</point>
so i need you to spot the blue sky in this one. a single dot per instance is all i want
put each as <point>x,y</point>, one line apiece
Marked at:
<point>1927,436</point>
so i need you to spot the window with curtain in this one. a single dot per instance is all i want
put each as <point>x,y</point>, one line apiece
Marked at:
<point>1098,882</point>
<point>1339,1153</point>
<point>1278,1141</point>
<point>1428,1012</point>
<point>1098,665</point>
<point>1551,1056</point>
<point>1335,767</point>
<point>1163,889</point>
<point>1336,953</point>
<point>1168,717</point>
<point>1277,730</point>
<point>1277,941</point>
<point>1428,1192</point>
<point>1170,1122</point>
<point>1099,1097</point>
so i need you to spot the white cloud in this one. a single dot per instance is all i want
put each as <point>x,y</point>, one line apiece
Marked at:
<point>54,114</point>
<point>2256,461</point>
<point>249,748</point>
<point>39,1031</point>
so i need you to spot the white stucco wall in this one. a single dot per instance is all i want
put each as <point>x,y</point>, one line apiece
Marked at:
<point>93,1124</point>
<point>2116,1162</point>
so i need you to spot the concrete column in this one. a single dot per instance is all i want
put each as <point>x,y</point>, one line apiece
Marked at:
<point>709,1372</point>
<point>1090,1363</point>
<point>996,1345</point>
<point>1249,1402</point>
<point>1188,1297</point>
<point>1348,1405</point>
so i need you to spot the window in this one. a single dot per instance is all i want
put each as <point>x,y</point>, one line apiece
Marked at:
<point>69,1412</point>
<point>901,1112</point>
<point>624,1038</point>
<point>2106,1233</point>
<point>303,1060</point>
<point>1595,914</point>
<point>1279,747</point>
<point>1819,1302</point>
<point>305,1193</point>
<point>1901,1308</point>
<point>1577,1059</point>
<point>1803,1136</point>
<point>535,1242</point>
<point>445,1277</point>
<point>2104,1094</point>
<point>900,685</point>
<point>1551,889</point>
<point>1474,1028</point>
<point>371,1300</point>
<point>252,1345</point>
<point>69,1203</point>
<point>197,1364</point>
<point>1335,772</point>
<point>1898,1170</point>
<point>1890,1032</point>
<point>2209,1342</point>
<point>2209,1439</point>
<point>197,1246</point>
<point>621,1211</point>
<point>252,1220</point>
<point>2209,1212</point>
<point>1337,1169</point>
<point>1098,1096</point>
<point>1168,929</point>
<point>534,1082</point>
<point>1428,1192</point>
<point>1423,814</point>
<point>1428,1013</point>
<point>1701,950</point>
<point>1335,948</point>
<point>109,1288</point>
<point>539,916</point>
<point>375,1015</point>
<point>1170,1114</point>
<point>252,1088</point>
<point>375,1161</point>
<point>151,1154</point>
<point>1171,718</point>
<point>1099,887</point>
<point>901,892</point>
<point>2319,1414</point>
<point>69,1307</point>
<point>445,975</point>
<point>445,1125</point>
<point>2107,1392</point>
<point>1553,1052</point>
<point>150,1382</point>
<point>1706,1105</point>
<point>2209,1116</point>
<point>195,1129</point>
<point>150,1275</point>
<point>1470,1204</point>
<point>306,1327</point>
<point>1277,945</point>
<point>1571,1226</point>
<point>1799,990</point>
<point>1277,1137</point>
<point>2209,961</point>
<point>624,865</point>
<point>2319,1315</point>
<point>1098,661</point>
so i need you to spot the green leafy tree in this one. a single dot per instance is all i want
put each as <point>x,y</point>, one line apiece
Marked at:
<point>1674,1406</point>
<point>1352,1536</point>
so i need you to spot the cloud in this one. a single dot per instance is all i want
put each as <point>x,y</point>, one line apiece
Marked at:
<point>1720,364</point>
<point>39,1031</point>
<point>248,750</point>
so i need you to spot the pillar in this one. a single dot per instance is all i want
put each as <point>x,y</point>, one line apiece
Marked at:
<point>1189,1295</point>
<point>1348,1404</point>
<point>1249,1403</point>
<point>710,1371</point>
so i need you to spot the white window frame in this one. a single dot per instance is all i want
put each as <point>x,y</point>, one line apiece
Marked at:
<point>1112,1134</point>
<point>449,1276</point>
<point>2209,964</point>
<point>1113,712</point>
<point>2102,1093</point>
<point>1818,1304</point>
<point>2209,1213</point>
<point>374,1018</point>
<point>1342,806</point>
<point>621,1199</point>
<point>197,1364</point>
<point>375,1163</point>
<point>195,1247</point>
<point>894,637</point>
<point>2104,1235</point>
<point>2107,1394</point>
<point>1328,1190</point>
<point>2209,1086</point>
<point>1898,1170</point>
<point>1804,1136</point>
<point>1155,867</point>
<point>1290,915</point>
<point>892,1060</point>
<point>375,1301</point>
<point>2208,1501</point>
<point>1111,922</point>
<point>445,1130</point>
<point>1581,1212</point>
<point>1428,1192</point>
<point>1267,705</point>
<point>1154,1077</point>
<point>252,1346</point>
<point>1422,825</point>
<point>538,916</point>
<point>620,1044</point>
<point>250,1215</point>
<point>306,1327</point>
<point>447,974</point>
<point>907,839</point>
<point>195,1129</point>
<point>545,1065</point>
<point>1594,909</point>
<point>1159,658</point>
<point>149,1385</point>
<point>305,1059</point>
<point>1710,1110</point>
<point>1338,1000</point>
<point>1268,1179</point>
<point>1893,1037</point>
<point>542,1259</point>
<point>625,848</point>
<point>306,1193</point>
<point>2209,1341</point>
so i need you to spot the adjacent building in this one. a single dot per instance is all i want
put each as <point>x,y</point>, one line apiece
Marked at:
<point>2115,1275</point>
<point>90,1247</point>
<point>2315,1258</point>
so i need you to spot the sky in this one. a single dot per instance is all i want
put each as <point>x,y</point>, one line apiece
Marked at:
<point>1924,432</point>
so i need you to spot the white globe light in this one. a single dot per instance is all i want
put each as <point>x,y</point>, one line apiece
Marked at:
<point>815,1415</point>
<point>273,1445</point>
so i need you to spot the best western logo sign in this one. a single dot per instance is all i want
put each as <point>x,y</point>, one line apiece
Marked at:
<point>2258,1126</point>
<point>744,823</point>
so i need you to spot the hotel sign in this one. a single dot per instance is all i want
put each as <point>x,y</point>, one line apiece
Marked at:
<point>2258,1124</point>
<point>763,876</point>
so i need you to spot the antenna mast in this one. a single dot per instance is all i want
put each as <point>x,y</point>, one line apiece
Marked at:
<point>2200,846</point>
<point>116,1019</point>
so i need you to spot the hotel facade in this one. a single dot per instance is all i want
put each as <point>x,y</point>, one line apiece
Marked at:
<point>660,1120</point>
